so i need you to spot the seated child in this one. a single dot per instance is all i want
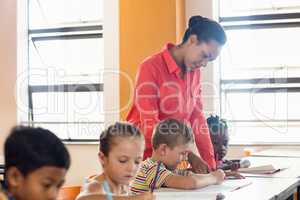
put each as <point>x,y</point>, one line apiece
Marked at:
<point>120,153</point>
<point>36,162</point>
<point>171,141</point>
<point>218,130</point>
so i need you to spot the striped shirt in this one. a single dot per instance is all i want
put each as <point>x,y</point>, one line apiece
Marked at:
<point>145,176</point>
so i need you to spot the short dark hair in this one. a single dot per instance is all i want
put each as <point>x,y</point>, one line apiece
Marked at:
<point>29,149</point>
<point>205,29</point>
<point>119,129</point>
<point>217,126</point>
<point>172,133</point>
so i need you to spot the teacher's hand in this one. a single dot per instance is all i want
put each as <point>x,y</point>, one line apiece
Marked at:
<point>199,166</point>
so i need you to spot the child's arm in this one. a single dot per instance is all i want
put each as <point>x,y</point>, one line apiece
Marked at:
<point>195,181</point>
<point>199,166</point>
<point>233,175</point>
<point>94,191</point>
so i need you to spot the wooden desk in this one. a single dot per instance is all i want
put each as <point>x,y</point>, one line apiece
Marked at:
<point>260,189</point>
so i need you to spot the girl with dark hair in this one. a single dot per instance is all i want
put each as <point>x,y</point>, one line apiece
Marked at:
<point>168,86</point>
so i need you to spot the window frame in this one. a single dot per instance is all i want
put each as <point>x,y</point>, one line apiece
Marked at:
<point>25,91</point>
<point>270,21</point>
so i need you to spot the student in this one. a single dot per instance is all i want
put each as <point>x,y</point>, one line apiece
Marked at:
<point>219,135</point>
<point>170,142</point>
<point>168,85</point>
<point>36,162</point>
<point>120,153</point>
<point>218,130</point>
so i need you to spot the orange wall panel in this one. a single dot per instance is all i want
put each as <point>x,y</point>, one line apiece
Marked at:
<point>180,20</point>
<point>145,26</point>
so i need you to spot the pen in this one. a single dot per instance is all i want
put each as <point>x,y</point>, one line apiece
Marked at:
<point>240,187</point>
<point>155,177</point>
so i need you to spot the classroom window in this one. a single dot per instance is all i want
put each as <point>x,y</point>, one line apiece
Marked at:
<point>260,70</point>
<point>66,64</point>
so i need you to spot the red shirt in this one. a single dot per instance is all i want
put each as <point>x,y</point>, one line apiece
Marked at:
<point>160,93</point>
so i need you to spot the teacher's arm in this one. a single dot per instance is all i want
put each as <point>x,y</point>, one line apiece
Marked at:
<point>201,132</point>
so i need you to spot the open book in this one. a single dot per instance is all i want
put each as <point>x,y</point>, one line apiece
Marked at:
<point>263,169</point>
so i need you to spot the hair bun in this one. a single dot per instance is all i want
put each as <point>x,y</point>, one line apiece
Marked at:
<point>195,20</point>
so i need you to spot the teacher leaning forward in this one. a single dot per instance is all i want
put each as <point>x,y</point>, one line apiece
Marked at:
<point>168,86</point>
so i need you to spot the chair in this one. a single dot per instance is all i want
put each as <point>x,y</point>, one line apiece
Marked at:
<point>68,193</point>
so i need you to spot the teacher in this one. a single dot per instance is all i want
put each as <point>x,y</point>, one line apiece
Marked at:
<point>168,86</point>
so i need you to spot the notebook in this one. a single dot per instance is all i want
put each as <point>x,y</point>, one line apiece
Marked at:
<point>263,169</point>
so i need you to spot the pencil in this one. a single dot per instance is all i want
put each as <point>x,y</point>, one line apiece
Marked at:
<point>155,177</point>
<point>240,187</point>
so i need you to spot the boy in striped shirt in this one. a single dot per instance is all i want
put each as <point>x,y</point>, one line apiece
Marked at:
<point>171,142</point>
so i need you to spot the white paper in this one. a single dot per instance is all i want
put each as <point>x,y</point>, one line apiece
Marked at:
<point>225,187</point>
<point>184,195</point>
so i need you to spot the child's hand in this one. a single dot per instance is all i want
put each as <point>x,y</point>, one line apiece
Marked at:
<point>146,196</point>
<point>219,176</point>
<point>234,174</point>
<point>199,166</point>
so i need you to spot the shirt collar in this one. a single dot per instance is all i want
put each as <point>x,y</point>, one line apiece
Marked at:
<point>171,64</point>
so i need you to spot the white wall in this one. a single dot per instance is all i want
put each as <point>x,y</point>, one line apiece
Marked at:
<point>111,61</point>
<point>8,66</point>
<point>84,163</point>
